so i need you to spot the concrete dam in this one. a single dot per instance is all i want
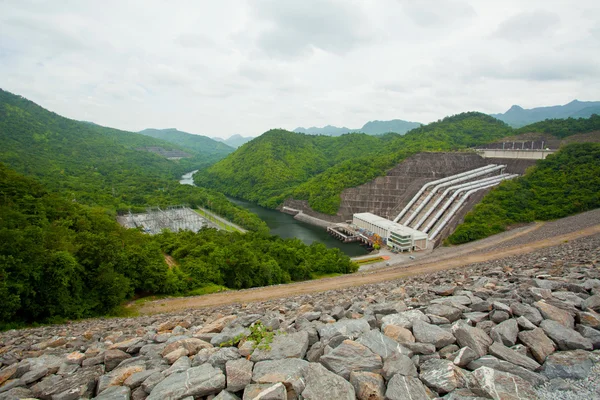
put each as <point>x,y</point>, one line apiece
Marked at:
<point>387,196</point>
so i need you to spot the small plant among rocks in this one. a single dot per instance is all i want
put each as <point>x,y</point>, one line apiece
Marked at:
<point>261,335</point>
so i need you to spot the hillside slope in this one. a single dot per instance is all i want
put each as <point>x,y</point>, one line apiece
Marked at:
<point>517,116</point>
<point>200,144</point>
<point>279,164</point>
<point>235,141</point>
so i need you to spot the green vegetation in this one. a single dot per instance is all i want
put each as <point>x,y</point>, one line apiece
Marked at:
<point>565,183</point>
<point>563,128</point>
<point>206,147</point>
<point>60,259</point>
<point>517,116</point>
<point>260,335</point>
<point>98,166</point>
<point>280,164</point>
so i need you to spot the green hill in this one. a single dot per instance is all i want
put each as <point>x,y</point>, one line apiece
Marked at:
<point>199,144</point>
<point>565,183</point>
<point>279,163</point>
<point>562,128</point>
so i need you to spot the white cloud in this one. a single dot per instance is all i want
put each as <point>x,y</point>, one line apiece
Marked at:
<point>245,66</point>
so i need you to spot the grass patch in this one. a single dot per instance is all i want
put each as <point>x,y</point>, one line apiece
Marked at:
<point>208,289</point>
<point>315,275</point>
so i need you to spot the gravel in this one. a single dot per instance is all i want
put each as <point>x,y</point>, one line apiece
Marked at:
<point>569,389</point>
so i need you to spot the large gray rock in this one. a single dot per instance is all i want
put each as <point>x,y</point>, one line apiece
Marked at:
<point>380,344</point>
<point>458,301</point>
<point>351,328</point>
<point>239,374</point>
<point>492,362</point>
<point>399,364</point>
<point>265,391</point>
<point>568,365</point>
<point>404,319</point>
<point>323,384</point>
<point>538,343</point>
<point>351,356</point>
<point>406,387</point>
<point>506,332</point>
<point>115,393</point>
<point>468,336</point>
<point>527,311</point>
<point>219,358</point>
<point>500,385</point>
<point>135,380</point>
<point>427,333</point>
<point>112,358</point>
<point>504,353</point>
<point>293,345</point>
<point>443,310</point>
<point>191,345</point>
<point>592,303</point>
<point>553,313</point>
<point>288,371</point>
<point>590,333</point>
<point>464,356</point>
<point>565,338</point>
<point>225,395</point>
<point>81,384</point>
<point>196,381</point>
<point>442,375</point>
<point>367,385</point>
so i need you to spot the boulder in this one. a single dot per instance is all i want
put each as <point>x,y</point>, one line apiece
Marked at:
<point>351,328</point>
<point>404,319</point>
<point>406,387</point>
<point>464,356</point>
<point>592,303</point>
<point>229,335</point>
<point>527,311</point>
<point>80,384</point>
<point>367,385</point>
<point>117,377</point>
<point>492,362</point>
<point>265,391</point>
<point>589,318</point>
<point>287,371</point>
<point>351,356</point>
<point>574,364</point>
<point>219,358</point>
<point>553,313</point>
<point>565,338</point>
<point>399,334</point>
<point>239,374</point>
<point>468,336</point>
<point>380,344</point>
<point>506,332</point>
<point>216,326</point>
<point>112,358</point>
<point>443,310</point>
<point>442,375</point>
<point>225,395</point>
<point>323,384</point>
<point>192,345</point>
<point>293,345</point>
<point>427,333</point>
<point>590,333</point>
<point>500,385</point>
<point>538,343</point>
<point>504,353</point>
<point>196,381</point>
<point>399,364</point>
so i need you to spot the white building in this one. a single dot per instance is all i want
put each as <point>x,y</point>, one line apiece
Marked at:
<point>397,236</point>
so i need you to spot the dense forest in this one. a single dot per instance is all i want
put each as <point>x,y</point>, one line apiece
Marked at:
<point>61,259</point>
<point>99,166</point>
<point>565,183</point>
<point>279,163</point>
<point>209,148</point>
<point>562,128</point>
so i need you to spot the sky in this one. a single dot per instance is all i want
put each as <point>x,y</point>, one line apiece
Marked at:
<point>219,68</point>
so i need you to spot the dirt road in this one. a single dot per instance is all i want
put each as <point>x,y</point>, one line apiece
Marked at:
<point>452,260</point>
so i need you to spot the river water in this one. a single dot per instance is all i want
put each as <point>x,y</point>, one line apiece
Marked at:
<point>285,226</point>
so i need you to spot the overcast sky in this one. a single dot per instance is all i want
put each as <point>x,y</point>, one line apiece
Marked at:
<point>223,67</point>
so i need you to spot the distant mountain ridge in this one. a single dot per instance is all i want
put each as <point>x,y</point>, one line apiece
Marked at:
<point>370,128</point>
<point>235,141</point>
<point>517,116</point>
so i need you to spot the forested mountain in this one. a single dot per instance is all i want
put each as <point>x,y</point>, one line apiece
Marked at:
<point>99,166</point>
<point>202,145</point>
<point>562,128</point>
<point>279,163</point>
<point>517,116</point>
<point>60,259</point>
<point>235,141</point>
<point>565,183</point>
<point>371,128</point>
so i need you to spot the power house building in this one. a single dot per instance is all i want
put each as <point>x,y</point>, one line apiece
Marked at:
<point>397,236</point>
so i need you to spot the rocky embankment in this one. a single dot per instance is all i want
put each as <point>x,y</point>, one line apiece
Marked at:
<point>519,328</point>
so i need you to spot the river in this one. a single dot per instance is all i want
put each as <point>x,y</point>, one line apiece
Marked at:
<point>285,226</point>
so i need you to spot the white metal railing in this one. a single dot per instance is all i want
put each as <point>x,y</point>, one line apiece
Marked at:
<point>429,184</point>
